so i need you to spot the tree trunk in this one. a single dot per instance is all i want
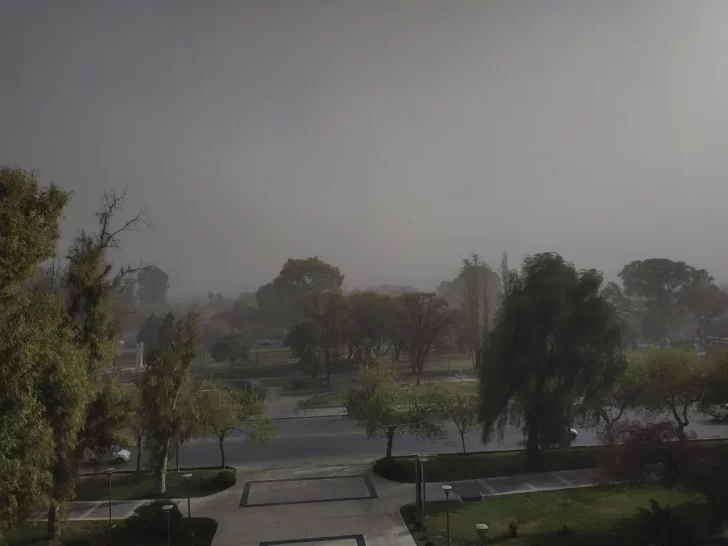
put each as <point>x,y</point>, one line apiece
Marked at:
<point>462,440</point>
<point>222,452</point>
<point>390,440</point>
<point>532,449</point>
<point>327,363</point>
<point>161,469</point>
<point>397,350</point>
<point>139,455</point>
<point>419,366</point>
<point>54,526</point>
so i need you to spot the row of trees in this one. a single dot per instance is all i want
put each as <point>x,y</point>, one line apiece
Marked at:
<point>57,334</point>
<point>371,325</point>
<point>381,406</point>
<point>664,301</point>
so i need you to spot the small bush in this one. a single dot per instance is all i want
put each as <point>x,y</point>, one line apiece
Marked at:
<point>396,470</point>
<point>151,519</point>
<point>513,528</point>
<point>225,479</point>
<point>297,384</point>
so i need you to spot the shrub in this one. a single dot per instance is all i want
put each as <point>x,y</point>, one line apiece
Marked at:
<point>225,479</point>
<point>297,384</point>
<point>664,528</point>
<point>396,470</point>
<point>513,528</point>
<point>151,520</point>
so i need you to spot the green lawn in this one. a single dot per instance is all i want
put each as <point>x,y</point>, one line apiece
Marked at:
<point>486,464</point>
<point>130,486</point>
<point>337,398</point>
<point>194,532</point>
<point>594,516</point>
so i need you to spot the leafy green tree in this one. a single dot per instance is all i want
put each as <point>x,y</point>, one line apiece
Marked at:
<point>233,349</point>
<point>36,343</point>
<point>626,312</point>
<point>422,320</point>
<point>280,301</point>
<point>373,321</point>
<point>607,406</point>
<point>188,424</point>
<point>460,409</point>
<point>90,285</point>
<point>165,378</point>
<point>222,412</point>
<point>135,421</point>
<point>149,332</point>
<point>301,277</point>
<point>304,342</point>
<point>215,330</point>
<point>330,313</point>
<point>377,406</point>
<point>658,283</point>
<point>167,330</point>
<point>677,380</point>
<point>153,285</point>
<point>29,216</point>
<point>42,371</point>
<point>707,303</point>
<point>554,341</point>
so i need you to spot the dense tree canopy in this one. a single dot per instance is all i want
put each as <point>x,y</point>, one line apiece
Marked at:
<point>29,216</point>
<point>554,341</point>
<point>165,377</point>
<point>373,321</point>
<point>658,283</point>
<point>421,320</point>
<point>153,285</point>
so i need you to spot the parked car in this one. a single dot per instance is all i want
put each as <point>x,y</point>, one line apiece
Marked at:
<point>718,411</point>
<point>115,455</point>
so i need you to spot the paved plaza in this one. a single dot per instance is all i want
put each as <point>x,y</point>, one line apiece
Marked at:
<point>344,505</point>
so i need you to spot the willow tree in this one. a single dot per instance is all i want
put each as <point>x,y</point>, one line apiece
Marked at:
<point>554,342</point>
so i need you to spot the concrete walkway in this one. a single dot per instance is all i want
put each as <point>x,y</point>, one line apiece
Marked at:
<point>329,506</point>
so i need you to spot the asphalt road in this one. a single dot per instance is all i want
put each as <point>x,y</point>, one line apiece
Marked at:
<point>335,440</point>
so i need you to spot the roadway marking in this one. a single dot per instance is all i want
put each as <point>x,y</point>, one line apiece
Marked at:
<point>562,479</point>
<point>489,488</point>
<point>88,512</point>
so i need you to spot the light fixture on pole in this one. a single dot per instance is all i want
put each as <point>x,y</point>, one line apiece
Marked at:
<point>481,529</point>
<point>423,460</point>
<point>168,508</point>
<point>187,481</point>
<point>447,489</point>
<point>109,472</point>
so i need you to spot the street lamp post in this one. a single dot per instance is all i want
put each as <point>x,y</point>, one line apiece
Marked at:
<point>423,460</point>
<point>447,489</point>
<point>109,472</point>
<point>187,481</point>
<point>167,508</point>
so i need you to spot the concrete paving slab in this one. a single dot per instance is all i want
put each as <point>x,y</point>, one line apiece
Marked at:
<point>577,477</point>
<point>119,509</point>
<point>307,490</point>
<point>469,490</point>
<point>510,484</point>
<point>545,480</point>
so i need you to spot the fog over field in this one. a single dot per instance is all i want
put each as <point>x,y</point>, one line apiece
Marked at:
<point>389,138</point>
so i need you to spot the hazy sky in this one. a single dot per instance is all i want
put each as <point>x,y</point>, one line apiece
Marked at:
<point>390,138</point>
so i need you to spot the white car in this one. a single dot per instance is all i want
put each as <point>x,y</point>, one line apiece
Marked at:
<point>115,455</point>
<point>718,411</point>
